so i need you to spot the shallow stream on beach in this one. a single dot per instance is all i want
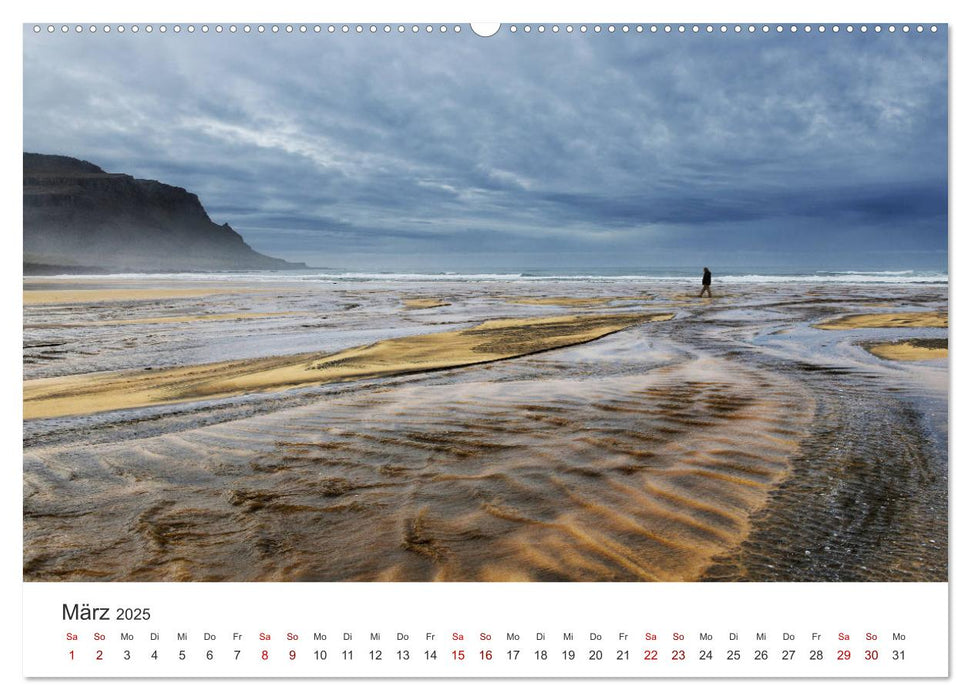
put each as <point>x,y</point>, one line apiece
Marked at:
<point>732,442</point>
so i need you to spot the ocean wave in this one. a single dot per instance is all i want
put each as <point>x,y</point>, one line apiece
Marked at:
<point>840,278</point>
<point>819,277</point>
<point>864,272</point>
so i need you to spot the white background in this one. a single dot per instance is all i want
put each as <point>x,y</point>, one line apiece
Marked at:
<point>828,11</point>
<point>595,614</point>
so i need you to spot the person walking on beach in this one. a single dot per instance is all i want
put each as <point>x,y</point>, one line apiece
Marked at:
<point>706,283</point>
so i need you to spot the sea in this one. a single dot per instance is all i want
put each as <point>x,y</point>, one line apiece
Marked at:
<point>606,275</point>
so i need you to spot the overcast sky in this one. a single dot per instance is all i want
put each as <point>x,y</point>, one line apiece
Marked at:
<point>455,151</point>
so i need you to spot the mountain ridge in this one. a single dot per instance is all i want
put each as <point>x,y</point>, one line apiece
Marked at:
<point>77,217</point>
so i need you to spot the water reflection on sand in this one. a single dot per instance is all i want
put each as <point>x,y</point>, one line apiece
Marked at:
<point>734,441</point>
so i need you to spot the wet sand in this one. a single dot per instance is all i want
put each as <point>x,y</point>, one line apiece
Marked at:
<point>324,431</point>
<point>487,342</point>
<point>153,320</point>
<point>904,319</point>
<point>79,296</point>
<point>571,301</point>
<point>424,303</point>
<point>911,350</point>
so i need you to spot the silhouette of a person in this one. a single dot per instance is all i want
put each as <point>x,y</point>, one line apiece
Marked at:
<point>706,283</point>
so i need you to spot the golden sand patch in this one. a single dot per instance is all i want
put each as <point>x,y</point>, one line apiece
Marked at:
<point>490,341</point>
<point>912,350</point>
<point>81,296</point>
<point>571,301</point>
<point>424,303</point>
<point>688,300</point>
<point>900,319</point>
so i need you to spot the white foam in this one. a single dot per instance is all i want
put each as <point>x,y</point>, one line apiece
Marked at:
<point>821,277</point>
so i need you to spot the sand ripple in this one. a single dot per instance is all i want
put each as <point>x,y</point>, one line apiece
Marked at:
<point>644,477</point>
<point>736,440</point>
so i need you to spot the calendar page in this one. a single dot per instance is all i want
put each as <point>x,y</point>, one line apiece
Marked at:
<point>527,349</point>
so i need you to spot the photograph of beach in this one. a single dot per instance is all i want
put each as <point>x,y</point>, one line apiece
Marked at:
<point>429,306</point>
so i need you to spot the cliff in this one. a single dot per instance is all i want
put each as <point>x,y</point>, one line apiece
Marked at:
<point>78,217</point>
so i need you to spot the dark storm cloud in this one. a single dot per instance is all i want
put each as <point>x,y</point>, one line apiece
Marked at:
<point>315,145</point>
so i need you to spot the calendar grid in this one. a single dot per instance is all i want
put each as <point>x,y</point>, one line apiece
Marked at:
<point>473,630</point>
